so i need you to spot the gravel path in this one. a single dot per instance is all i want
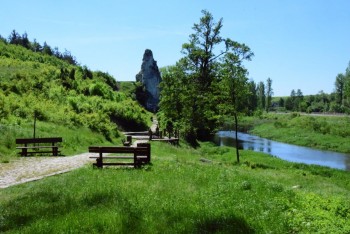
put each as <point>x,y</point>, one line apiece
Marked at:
<point>27,169</point>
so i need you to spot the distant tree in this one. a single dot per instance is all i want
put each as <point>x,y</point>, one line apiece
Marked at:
<point>269,93</point>
<point>25,41</point>
<point>281,102</point>
<point>86,73</point>
<point>47,49</point>
<point>252,97</point>
<point>35,46</point>
<point>261,96</point>
<point>56,52</point>
<point>14,38</point>
<point>339,88</point>
<point>67,56</point>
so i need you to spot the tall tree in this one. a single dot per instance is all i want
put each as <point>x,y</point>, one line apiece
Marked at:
<point>236,84</point>
<point>252,97</point>
<point>339,88</point>
<point>201,60</point>
<point>15,38</point>
<point>47,49</point>
<point>261,96</point>
<point>199,117</point>
<point>269,93</point>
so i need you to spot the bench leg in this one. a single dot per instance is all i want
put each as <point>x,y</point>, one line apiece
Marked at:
<point>54,151</point>
<point>99,161</point>
<point>137,163</point>
<point>24,152</point>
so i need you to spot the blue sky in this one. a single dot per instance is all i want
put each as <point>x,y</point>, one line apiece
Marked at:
<point>299,44</point>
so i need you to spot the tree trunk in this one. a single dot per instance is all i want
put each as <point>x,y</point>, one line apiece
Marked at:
<point>236,129</point>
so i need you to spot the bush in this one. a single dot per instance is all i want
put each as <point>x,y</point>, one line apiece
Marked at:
<point>314,213</point>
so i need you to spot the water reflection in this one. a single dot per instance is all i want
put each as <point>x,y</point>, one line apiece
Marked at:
<point>284,151</point>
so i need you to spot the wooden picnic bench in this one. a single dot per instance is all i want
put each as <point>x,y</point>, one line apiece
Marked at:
<point>131,156</point>
<point>48,145</point>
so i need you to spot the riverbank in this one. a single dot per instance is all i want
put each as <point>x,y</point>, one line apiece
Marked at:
<point>184,190</point>
<point>321,132</point>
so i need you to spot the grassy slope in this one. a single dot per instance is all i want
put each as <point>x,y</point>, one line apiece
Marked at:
<point>70,101</point>
<point>179,193</point>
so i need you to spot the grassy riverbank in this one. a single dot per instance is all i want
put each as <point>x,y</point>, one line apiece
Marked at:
<point>321,132</point>
<point>181,193</point>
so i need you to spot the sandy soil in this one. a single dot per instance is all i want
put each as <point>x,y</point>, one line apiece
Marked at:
<point>27,169</point>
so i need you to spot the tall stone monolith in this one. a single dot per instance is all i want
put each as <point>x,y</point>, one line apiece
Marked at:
<point>150,77</point>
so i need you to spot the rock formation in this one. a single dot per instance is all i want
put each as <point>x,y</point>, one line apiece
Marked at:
<point>150,77</point>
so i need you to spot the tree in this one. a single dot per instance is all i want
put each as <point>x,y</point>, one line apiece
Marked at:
<point>261,96</point>
<point>339,88</point>
<point>281,102</point>
<point>47,49</point>
<point>25,41</point>
<point>269,93</point>
<point>201,63</point>
<point>236,84</point>
<point>14,38</point>
<point>252,97</point>
<point>35,46</point>
<point>200,78</point>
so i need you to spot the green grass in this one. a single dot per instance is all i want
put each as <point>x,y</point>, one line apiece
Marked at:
<point>321,132</point>
<point>180,194</point>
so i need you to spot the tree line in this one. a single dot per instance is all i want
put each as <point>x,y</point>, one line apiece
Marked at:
<point>336,102</point>
<point>22,40</point>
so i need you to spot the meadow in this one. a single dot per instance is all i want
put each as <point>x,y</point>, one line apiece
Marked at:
<point>184,190</point>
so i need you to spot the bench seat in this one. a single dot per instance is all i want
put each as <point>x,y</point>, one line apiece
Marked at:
<point>119,157</point>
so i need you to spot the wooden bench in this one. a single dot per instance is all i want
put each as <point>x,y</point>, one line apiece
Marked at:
<point>128,141</point>
<point>48,145</point>
<point>135,156</point>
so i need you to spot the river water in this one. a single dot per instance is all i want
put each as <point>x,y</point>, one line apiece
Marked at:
<point>285,151</point>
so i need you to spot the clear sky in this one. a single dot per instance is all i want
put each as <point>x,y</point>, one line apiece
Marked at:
<point>299,44</point>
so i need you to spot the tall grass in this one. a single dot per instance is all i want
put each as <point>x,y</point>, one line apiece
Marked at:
<point>178,193</point>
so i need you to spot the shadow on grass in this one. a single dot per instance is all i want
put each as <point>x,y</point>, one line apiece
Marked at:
<point>224,225</point>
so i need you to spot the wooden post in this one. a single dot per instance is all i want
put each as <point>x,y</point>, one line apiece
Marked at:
<point>34,124</point>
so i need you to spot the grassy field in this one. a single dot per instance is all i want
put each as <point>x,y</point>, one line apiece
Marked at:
<point>180,193</point>
<point>321,132</point>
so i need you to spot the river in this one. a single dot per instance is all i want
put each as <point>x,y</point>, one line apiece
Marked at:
<point>285,151</point>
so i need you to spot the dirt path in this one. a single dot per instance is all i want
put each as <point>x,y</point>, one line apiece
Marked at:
<point>27,169</point>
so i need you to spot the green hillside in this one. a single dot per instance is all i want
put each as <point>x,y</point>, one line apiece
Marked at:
<point>63,96</point>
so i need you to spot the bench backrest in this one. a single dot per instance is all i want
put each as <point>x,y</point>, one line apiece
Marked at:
<point>38,140</point>
<point>117,149</point>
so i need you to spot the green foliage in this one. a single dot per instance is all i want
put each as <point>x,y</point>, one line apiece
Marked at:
<point>194,94</point>
<point>315,214</point>
<point>62,94</point>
